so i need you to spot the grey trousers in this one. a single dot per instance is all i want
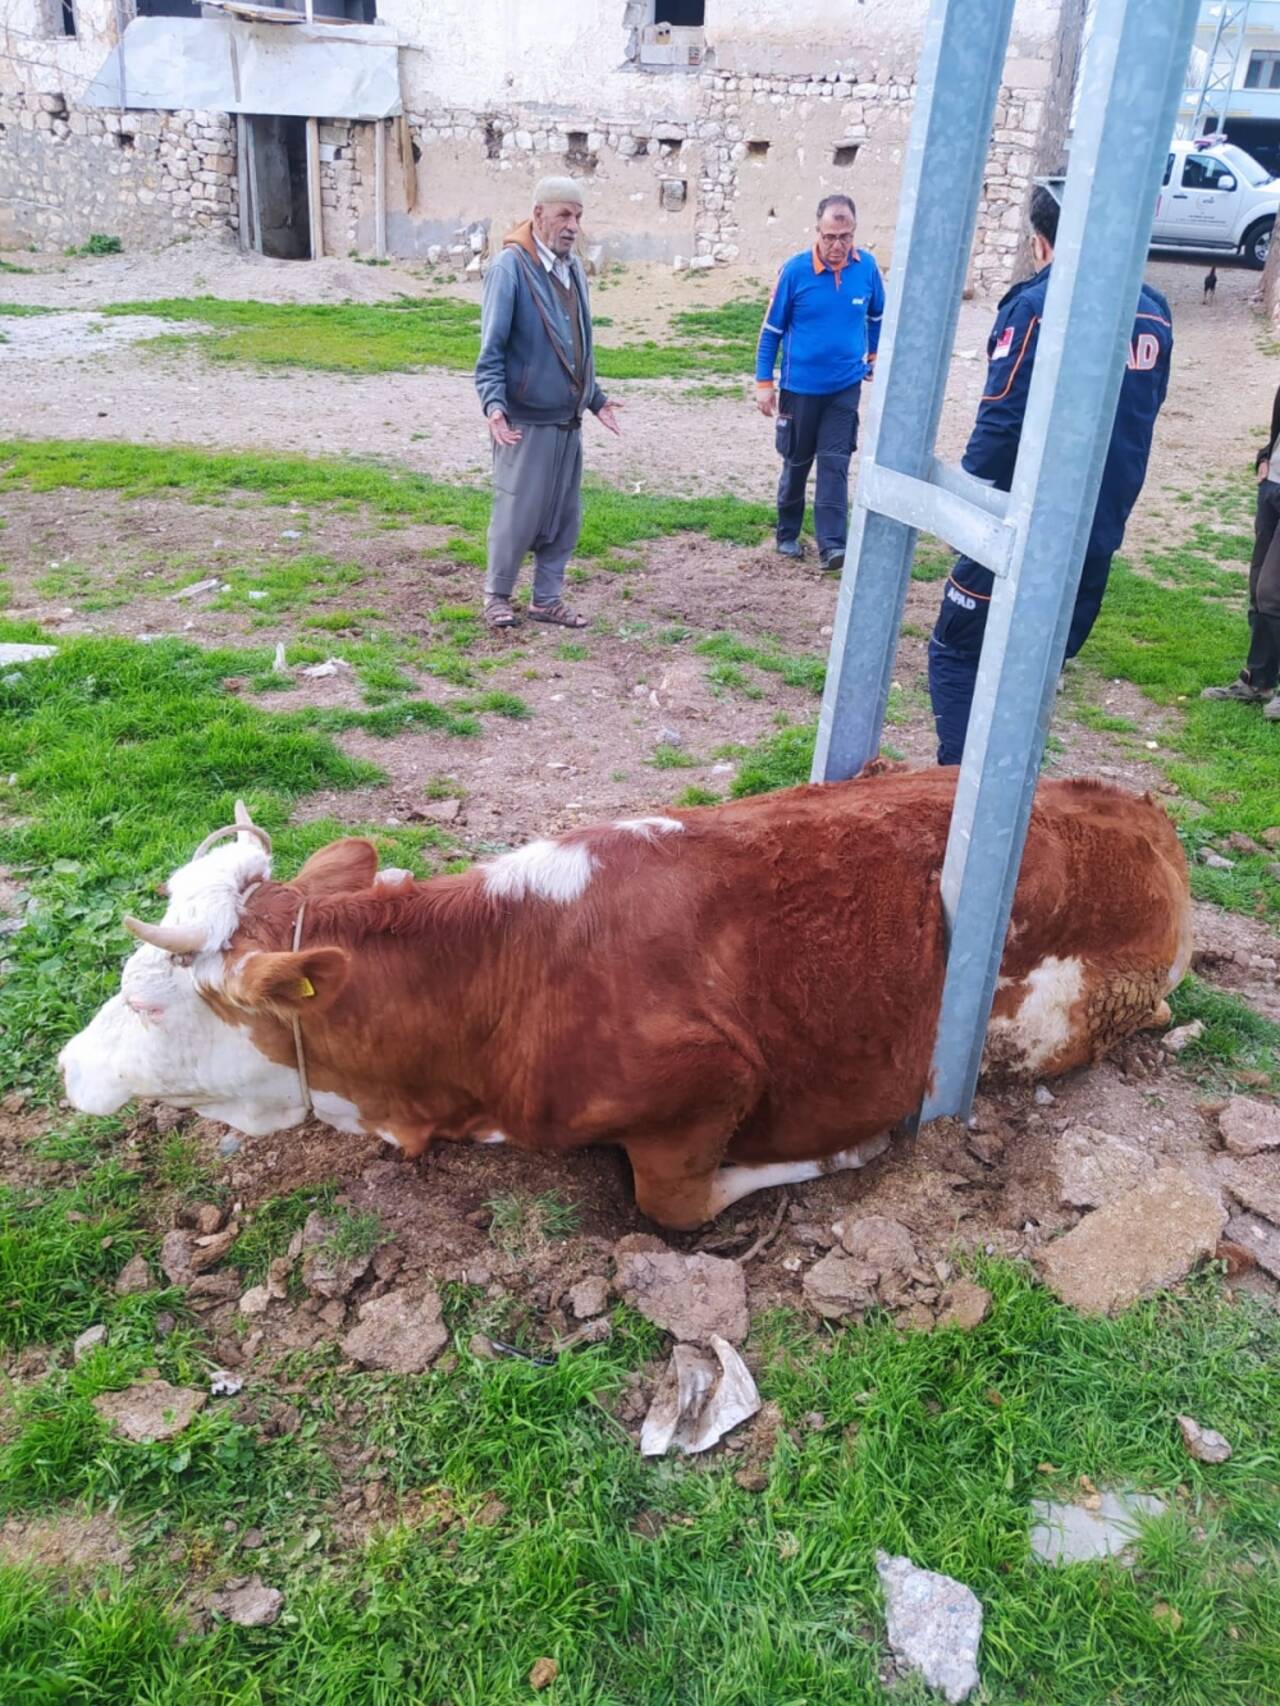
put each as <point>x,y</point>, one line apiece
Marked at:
<point>537,506</point>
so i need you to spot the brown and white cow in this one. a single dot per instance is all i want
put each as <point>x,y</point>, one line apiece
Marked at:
<point>741,996</point>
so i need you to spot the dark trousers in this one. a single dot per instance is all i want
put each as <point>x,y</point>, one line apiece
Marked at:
<point>957,642</point>
<point>1262,666</point>
<point>825,428</point>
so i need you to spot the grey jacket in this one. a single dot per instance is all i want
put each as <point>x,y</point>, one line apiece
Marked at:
<point>526,357</point>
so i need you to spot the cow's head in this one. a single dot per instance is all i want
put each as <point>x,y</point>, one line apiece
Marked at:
<point>207,1001</point>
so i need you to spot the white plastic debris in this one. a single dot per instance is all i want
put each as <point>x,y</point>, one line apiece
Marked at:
<point>196,588</point>
<point>291,533</point>
<point>224,1384</point>
<point>699,1400</point>
<point>278,663</point>
<point>256,592</point>
<point>330,666</point>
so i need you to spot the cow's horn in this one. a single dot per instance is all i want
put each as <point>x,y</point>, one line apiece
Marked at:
<point>172,938</point>
<point>237,830</point>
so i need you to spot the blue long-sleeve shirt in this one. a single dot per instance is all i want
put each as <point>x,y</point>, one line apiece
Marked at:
<point>827,322</point>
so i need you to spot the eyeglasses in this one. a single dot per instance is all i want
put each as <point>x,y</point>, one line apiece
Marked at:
<point>843,238</point>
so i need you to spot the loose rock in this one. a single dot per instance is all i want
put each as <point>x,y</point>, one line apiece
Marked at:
<point>1262,1240</point>
<point>882,1244</point>
<point>543,1674</point>
<point>934,1625</point>
<point>1255,1181</point>
<point>589,1297</point>
<point>965,1305</point>
<point>255,1300</point>
<point>150,1411</point>
<point>1204,1444</point>
<point>1093,1167</point>
<point>1215,861</point>
<point>1139,1243</point>
<point>253,1606</point>
<point>324,1273</point>
<point>89,1341</point>
<point>837,1286</point>
<point>1248,1126</point>
<point>1075,1534</point>
<point>1182,1036</point>
<point>691,1297</point>
<point>133,1277</point>
<point>402,1332</point>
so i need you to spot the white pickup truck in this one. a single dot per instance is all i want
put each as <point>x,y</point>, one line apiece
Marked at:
<point>1215,196</point>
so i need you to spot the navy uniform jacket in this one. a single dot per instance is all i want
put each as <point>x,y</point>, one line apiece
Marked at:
<point>993,444</point>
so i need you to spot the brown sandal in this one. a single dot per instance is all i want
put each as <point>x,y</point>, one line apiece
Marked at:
<point>498,613</point>
<point>558,614</point>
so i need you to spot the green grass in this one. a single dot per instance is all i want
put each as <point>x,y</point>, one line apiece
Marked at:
<point>1170,641</point>
<point>521,1220</point>
<point>12,267</point>
<point>267,1232</point>
<point>806,672</point>
<point>411,333</point>
<point>612,520</point>
<point>668,757</point>
<point>1235,1037</point>
<point>928,1445</point>
<point>99,243</point>
<point>113,793</point>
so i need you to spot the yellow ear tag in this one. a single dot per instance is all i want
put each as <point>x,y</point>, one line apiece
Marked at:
<point>306,987</point>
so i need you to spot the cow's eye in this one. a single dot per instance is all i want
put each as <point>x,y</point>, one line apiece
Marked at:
<point>144,1009</point>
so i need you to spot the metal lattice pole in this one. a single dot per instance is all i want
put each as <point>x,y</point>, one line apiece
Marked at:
<point>1033,539</point>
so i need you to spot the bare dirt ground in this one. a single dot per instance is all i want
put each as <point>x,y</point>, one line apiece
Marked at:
<point>58,379</point>
<point>589,745</point>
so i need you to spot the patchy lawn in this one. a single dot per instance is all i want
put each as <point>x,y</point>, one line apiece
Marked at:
<point>435,1536</point>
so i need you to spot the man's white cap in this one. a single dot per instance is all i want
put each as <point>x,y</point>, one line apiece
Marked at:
<point>549,190</point>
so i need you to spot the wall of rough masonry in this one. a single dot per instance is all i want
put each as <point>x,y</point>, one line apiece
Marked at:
<point>735,162</point>
<point>143,177</point>
<point>795,99</point>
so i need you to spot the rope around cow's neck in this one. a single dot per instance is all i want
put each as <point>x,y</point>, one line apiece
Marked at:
<point>300,1059</point>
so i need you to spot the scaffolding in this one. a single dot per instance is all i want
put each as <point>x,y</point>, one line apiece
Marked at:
<point>1033,537</point>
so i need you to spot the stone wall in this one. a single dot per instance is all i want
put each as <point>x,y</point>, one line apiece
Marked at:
<point>143,177</point>
<point>727,162</point>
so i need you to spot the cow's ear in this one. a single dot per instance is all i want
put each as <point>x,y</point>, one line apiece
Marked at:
<point>308,981</point>
<point>339,868</point>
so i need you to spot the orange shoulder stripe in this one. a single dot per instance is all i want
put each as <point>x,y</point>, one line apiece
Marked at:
<point>998,396</point>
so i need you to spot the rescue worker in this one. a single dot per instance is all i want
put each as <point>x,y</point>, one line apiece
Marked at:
<point>825,314</point>
<point>993,450</point>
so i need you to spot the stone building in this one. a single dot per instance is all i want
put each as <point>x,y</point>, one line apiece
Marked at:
<point>703,127</point>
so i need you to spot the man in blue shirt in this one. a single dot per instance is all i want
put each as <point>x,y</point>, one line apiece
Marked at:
<point>993,451</point>
<point>825,314</point>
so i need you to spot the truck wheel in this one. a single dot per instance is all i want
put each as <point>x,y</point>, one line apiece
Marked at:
<point>1257,240</point>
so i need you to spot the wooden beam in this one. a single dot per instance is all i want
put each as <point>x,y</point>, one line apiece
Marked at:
<point>244,234</point>
<point>313,189</point>
<point>251,169</point>
<point>380,189</point>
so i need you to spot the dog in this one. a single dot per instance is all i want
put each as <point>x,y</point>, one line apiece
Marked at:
<point>1210,283</point>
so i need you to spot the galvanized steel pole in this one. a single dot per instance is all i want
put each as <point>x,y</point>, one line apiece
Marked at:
<point>959,77</point>
<point>1134,74</point>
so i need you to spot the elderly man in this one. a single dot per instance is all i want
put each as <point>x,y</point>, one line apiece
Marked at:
<point>825,314</point>
<point>535,375</point>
